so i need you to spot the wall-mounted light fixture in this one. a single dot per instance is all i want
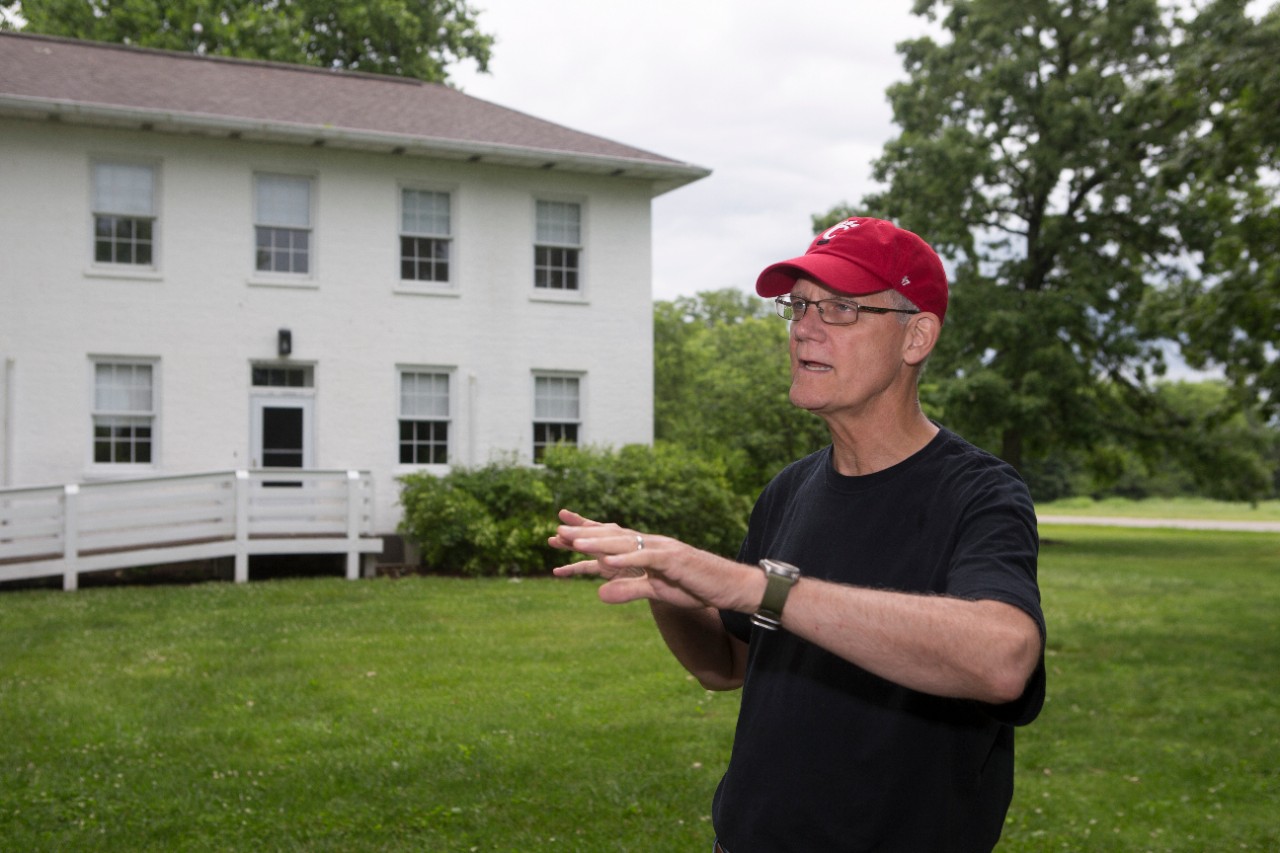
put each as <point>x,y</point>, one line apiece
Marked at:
<point>284,342</point>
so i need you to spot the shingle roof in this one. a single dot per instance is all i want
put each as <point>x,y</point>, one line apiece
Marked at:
<point>117,85</point>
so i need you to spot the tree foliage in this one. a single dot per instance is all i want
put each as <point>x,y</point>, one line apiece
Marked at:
<point>721,385</point>
<point>1049,150</point>
<point>722,380</point>
<point>409,38</point>
<point>1231,316</point>
<point>1226,453</point>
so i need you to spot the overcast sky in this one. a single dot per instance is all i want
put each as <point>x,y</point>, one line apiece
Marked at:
<point>783,101</point>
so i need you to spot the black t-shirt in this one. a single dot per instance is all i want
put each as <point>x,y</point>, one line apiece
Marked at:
<point>827,756</point>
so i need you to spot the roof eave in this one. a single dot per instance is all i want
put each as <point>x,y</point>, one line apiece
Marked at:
<point>663,176</point>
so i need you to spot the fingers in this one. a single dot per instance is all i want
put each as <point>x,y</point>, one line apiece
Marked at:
<point>573,519</point>
<point>620,590</point>
<point>584,567</point>
<point>598,568</point>
<point>577,533</point>
<point>571,538</point>
<point>609,544</point>
<point>571,525</point>
<point>613,553</point>
<point>568,516</point>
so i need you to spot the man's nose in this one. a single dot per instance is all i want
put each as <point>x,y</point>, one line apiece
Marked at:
<point>810,323</point>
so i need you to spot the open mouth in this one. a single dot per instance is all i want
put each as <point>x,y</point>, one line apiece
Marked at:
<point>814,366</point>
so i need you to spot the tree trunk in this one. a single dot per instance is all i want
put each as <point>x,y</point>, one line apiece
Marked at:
<point>1011,447</point>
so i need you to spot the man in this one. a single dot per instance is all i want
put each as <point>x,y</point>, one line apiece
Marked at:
<point>883,617</point>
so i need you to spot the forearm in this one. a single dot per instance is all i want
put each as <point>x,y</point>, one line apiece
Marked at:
<point>698,640</point>
<point>984,650</point>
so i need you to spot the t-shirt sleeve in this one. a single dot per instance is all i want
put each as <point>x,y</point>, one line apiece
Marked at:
<point>739,624</point>
<point>995,559</point>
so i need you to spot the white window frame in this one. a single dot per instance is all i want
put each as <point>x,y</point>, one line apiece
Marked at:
<point>545,237</point>
<point>545,417</point>
<point>446,418</point>
<point>284,221</point>
<point>138,209</point>
<point>305,372</point>
<point>405,231</point>
<point>100,412</point>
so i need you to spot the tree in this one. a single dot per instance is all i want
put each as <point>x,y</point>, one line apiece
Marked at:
<point>409,38</point>
<point>1231,316</point>
<point>1226,454</point>
<point>1043,152</point>
<point>721,384</point>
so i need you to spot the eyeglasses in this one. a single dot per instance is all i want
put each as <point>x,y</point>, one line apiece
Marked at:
<point>833,312</point>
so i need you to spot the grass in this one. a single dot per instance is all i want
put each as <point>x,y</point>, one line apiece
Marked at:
<point>420,714</point>
<point>456,715</point>
<point>1202,508</point>
<point>1164,695</point>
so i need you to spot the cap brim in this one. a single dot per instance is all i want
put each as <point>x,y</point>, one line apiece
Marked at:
<point>838,274</point>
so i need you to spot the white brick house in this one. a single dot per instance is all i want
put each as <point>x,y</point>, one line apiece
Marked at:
<point>211,264</point>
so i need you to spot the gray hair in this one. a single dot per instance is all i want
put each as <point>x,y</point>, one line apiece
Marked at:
<point>897,300</point>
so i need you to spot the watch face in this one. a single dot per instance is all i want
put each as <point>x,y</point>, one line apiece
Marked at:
<point>777,567</point>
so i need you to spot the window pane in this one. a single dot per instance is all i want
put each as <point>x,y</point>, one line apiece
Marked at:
<point>122,240</point>
<point>300,252</point>
<point>282,250</point>
<point>548,434</point>
<point>101,443</point>
<point>424,442</point>
<point>424,395</point>
<point>265,376</point>
<point>123,188</point>
<point>283,201</point>
<point>424,212</point>
<point>559,222</point>
<point>555,398</point>
<point>555,268</point>
<point>424,259</point>
<point>121,440</point>
<point>122,388</point>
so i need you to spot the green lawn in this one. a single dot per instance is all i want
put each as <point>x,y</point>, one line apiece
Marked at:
<point>1164,695</point>
<point>1164,508</point>
<point>433,714</point>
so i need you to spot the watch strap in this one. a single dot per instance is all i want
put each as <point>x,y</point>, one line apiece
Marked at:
<point>779,578</point>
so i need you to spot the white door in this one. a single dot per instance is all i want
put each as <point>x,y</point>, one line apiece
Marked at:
<point>282,431</point>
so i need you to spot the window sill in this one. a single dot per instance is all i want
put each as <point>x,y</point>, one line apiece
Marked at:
<point>405,468</point>
<point>571,297</point>
<point>99,471</point>
<point>422,288</point>
<point>124,272</point>
<point>295,282</point>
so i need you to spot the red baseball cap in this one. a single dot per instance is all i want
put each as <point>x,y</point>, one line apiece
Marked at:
<point>861,256</point>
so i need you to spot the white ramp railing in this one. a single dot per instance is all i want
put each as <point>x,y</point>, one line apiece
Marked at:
<point>89,527</point>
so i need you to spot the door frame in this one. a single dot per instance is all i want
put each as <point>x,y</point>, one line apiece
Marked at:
<point>261,399</point>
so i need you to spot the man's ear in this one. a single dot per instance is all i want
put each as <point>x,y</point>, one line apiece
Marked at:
<point>922,334</point>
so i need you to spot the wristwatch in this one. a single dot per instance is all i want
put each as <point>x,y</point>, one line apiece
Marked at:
<point>779,577</point>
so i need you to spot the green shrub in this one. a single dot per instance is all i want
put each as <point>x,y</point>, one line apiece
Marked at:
<point>495,520</point>
<point>665,489</point>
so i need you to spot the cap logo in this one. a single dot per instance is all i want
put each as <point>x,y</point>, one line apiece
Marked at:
<point>905,282</point>
<point>836,229</point>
